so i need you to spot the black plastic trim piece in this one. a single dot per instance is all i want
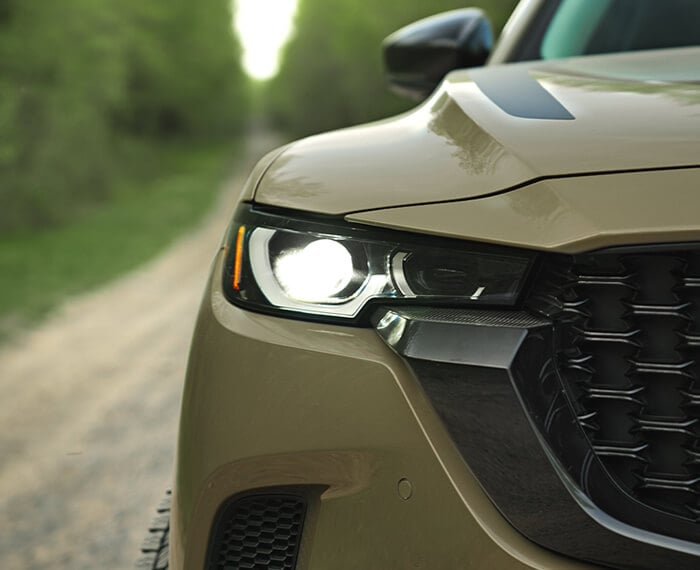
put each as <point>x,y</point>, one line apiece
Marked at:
<point>509,419</point>
<point>646,248</point>
<point>624,350</point>
<point>251,542</point>
<point>519,94</point>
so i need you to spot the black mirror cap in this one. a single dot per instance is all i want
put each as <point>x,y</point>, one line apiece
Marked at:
<point>418,56</point>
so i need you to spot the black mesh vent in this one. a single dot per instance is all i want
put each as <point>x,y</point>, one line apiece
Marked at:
<point>258,532</point>
<point>628,342</point>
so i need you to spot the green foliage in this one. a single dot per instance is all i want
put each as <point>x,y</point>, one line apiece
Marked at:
<point>189,79</point>
<point>79,76</point>
<point>58,84</point>
<point>332,76</point>
<point>41,267</point>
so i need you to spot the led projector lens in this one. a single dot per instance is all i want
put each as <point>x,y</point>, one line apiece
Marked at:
<point>316,272</point>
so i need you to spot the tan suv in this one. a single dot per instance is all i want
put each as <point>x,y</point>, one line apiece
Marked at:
<point>467,336</point>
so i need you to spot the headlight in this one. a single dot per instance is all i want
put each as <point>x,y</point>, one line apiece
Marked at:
<point>316,268</point>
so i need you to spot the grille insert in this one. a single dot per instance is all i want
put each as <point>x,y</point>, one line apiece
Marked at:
<point>258,532</point>
<point>627,346</point>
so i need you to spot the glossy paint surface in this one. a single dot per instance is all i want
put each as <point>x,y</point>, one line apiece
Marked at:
<point>275,402</point>
<point>344,412</point>
<point>631,111</point>
<point>248,190</point>
<point>569,215</point>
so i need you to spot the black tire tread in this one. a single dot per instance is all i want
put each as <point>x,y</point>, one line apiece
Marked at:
<point>154,549</point>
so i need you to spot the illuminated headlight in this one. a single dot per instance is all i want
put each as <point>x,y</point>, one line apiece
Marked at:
<point>321,269</point>
<point>318,272</point>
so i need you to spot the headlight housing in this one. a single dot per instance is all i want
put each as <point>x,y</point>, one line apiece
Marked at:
<point>324,268</point>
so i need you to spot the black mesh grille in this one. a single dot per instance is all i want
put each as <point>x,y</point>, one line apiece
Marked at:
<point>260,532</point>
<point>628,339</point>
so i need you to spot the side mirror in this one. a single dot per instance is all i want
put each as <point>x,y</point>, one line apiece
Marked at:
<point>418,56</point>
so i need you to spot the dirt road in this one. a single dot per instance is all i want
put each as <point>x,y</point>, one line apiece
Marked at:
<point>89,403</point>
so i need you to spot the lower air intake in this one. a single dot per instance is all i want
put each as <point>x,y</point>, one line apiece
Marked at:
<point>258,532</point>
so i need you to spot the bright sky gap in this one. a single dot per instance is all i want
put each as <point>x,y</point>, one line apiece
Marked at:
<point>263,26</point>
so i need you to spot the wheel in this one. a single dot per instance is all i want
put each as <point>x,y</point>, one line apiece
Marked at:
<point>155,547</point>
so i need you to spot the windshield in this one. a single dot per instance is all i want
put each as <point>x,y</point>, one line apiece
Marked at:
<point>568,28</point>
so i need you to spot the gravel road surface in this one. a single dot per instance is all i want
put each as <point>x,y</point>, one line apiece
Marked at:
<point>89,404</point>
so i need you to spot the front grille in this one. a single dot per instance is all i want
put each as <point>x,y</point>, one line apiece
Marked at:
<point>258,532</point>
<point>504,388</point>
<point>627,341</point>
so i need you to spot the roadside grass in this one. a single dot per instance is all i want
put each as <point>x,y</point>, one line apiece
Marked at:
<point>172,189</point>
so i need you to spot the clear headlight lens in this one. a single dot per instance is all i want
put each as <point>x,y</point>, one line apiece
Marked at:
<point>335,270</point>
<point>317,272</point>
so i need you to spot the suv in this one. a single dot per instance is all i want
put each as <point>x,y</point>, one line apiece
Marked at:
<point>467,336</point>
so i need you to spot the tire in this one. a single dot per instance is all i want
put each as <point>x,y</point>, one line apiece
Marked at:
<point>155,547</point>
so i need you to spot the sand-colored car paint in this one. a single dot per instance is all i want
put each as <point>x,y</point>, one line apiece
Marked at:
<point>273,402</point>
<point>569,215</point>
<point>461,145</point>
<point>343,412</point>
<point>251,184</point>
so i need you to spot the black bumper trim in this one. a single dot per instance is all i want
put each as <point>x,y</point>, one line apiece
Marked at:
<point>485,373</point>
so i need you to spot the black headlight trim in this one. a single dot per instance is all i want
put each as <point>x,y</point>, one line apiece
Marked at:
<point>250,296</point>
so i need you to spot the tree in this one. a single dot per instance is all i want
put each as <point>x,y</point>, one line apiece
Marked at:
<point>78,76</point>
<point>331,74</point>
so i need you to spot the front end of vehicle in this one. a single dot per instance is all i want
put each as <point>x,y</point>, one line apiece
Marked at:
<point>547,417</point>
<point>329,415</point>
<point>465,337</point>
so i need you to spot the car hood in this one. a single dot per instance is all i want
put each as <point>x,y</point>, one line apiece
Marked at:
<point>493,129</point>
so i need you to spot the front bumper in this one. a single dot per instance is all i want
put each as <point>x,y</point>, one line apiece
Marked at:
<point>273,402</point>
